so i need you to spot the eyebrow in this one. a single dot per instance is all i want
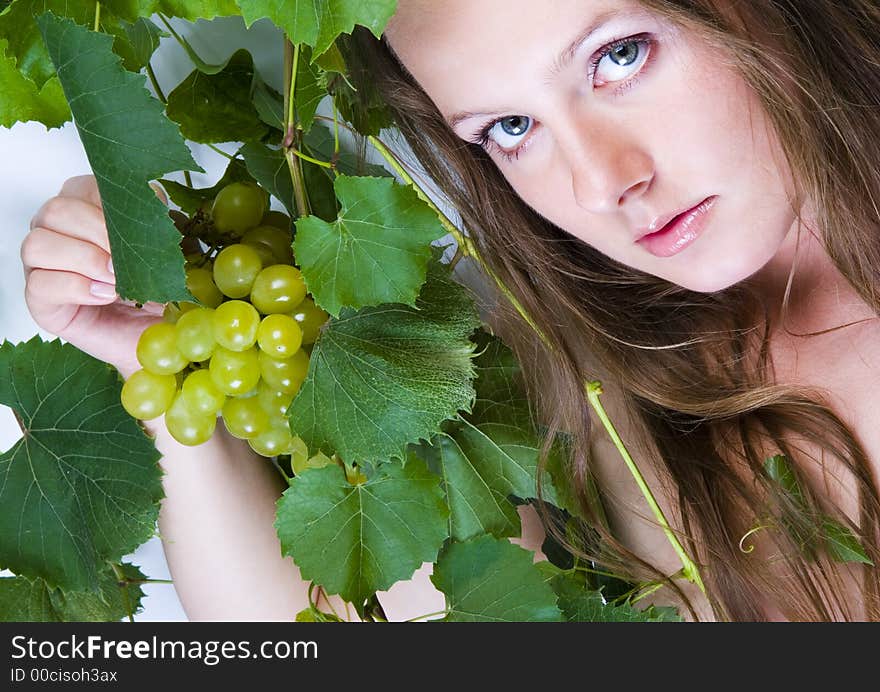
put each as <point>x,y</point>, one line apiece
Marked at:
<point>564,58</point>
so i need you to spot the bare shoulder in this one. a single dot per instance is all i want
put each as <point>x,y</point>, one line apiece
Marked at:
<point>629,514</point>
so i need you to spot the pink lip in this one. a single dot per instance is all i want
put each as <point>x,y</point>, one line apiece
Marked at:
<point>680,232</point>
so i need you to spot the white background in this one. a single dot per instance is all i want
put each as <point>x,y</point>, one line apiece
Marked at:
<point>33,165</point>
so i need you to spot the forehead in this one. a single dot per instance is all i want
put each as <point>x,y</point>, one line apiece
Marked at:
<point>462,51</point>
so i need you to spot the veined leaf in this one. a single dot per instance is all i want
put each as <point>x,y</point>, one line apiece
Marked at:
<point>83,485</point>
<point>218,107</point>
<point>128,142</point>
<point>842,544</point>
<point>21,101</point>
<point>32,600</point>
<point>383,377</point>
<point>269,168</point>
<point>355,540</point>
<point>489,579</point>
<point>579,604</point>
<point>191,10</point>
<point>319,22</point>
<point>376,252</point>
<point>135,41</point>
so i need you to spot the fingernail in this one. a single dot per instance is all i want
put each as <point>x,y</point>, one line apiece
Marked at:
<point>101,290</point>
<point>110,267</point>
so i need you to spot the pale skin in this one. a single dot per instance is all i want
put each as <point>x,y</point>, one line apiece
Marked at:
<point>597,163</point>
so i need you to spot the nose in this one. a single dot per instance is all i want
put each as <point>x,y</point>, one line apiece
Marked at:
<point>608,165</point>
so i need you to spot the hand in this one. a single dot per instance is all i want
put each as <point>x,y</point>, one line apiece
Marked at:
<point>70,287</point>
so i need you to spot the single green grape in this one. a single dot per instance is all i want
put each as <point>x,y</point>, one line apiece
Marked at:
<point>235,269</point>
<point>186,426</point>
<point>157,350</point>
<point>279,288</point>
<point>200,282</point>
<point>263,251</point>
<point>244,417</point>
<point>275,440</point>
<point>201,394</point>
<point>236,323</point>
<point>238,207</point>
<point>274,401</point>
<point>195,334</point>
<point>311,318</point>
<point>146,395</point>
<point>277,241</point>
<point>279,336</point>
<point>235,372</point>
<point>299,455</point>
<point>278,219</point>
<point>285,375</point>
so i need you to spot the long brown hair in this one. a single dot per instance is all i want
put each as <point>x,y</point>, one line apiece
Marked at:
<point>693,368</point>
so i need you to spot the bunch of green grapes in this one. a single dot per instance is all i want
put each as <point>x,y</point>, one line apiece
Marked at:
<point>242,352</point>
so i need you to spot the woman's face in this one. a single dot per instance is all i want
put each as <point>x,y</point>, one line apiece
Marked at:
<point>658,126</point>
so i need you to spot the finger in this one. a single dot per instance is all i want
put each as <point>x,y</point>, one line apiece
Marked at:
<point>46,287</point>
<point>160,193</point>
<point>45,249</point>
<point>74,217</point>
<point>84,187</point>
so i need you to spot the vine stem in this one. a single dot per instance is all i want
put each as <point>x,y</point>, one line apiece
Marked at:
<point>689,568</point>
<point>593,388</point>
<point>427,615</point>
<point>290,141</point>
<point>123,584</point>
<point>161,95</point>
<point>97,16</point>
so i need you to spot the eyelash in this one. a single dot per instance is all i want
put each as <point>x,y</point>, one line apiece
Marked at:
<point>481,137</point>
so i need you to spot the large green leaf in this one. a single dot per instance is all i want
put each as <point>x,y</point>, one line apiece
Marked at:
<point>355,540</point>
<point>580,604</point>
<point>310,89</point>
<point>377,250</point>
<point>218,107</point>
<point>269,168</point>
<point>191,10</point>
<point>319,22</point>
<point>128,142</point>
<point>842,544</point>
<point>492,580</point>
<point>135,41</point>
<point>32,600</point>
<point>21,101</point>
<point>383,377</point>
<point>83,484</point>
<point>491,453</point>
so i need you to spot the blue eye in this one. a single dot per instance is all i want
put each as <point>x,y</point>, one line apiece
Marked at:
<point>504,134</point>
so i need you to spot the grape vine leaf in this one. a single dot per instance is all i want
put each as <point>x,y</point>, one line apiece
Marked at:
<point>841,543</point>
<point>375,252</point>
<point>318,22</point>
<point>579,604</point>
<point>491,453</point>
<point>383,377</point>
<point>359,102</point>
<point>355,540</point>
<point>268,102</point>
<point>489,579</point>
<point>191,10</point>
<point>82,486</point>
<point>218,107</point>
<point>269,169</point>
<point>129,142</point>
<point>32,600</point>
<point>23,101</point>
<point>310,89</point>
<point>190,199</point>
<point>26,46</point>
<point>135,41</point>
